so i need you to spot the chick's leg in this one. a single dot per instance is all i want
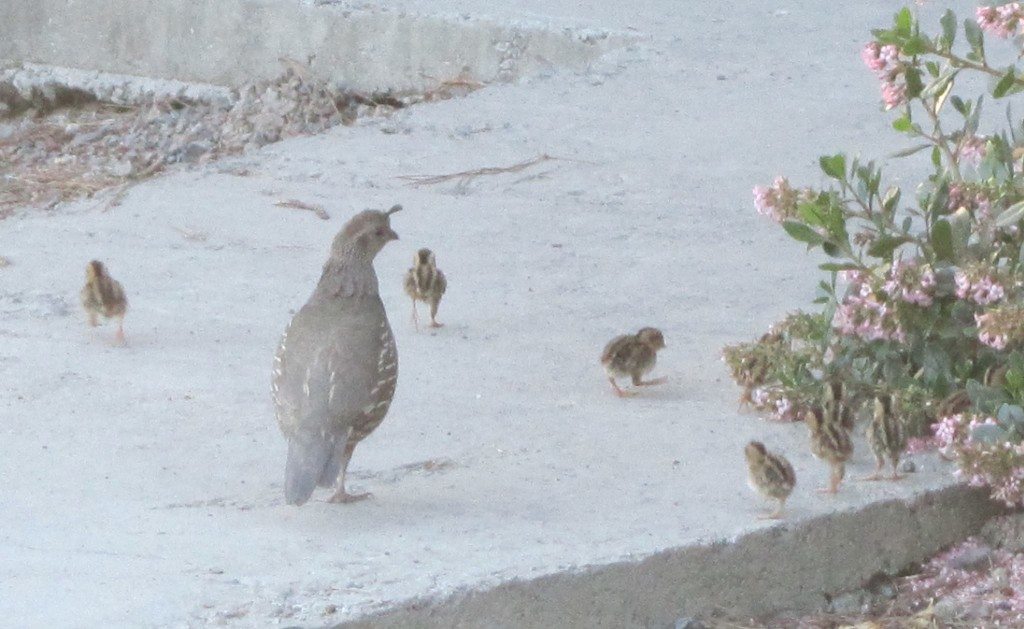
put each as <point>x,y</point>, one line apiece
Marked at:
<point>415,315</point>
<point>877,474</point>
<point>433,313</point>
<point>774,515</point>
<point>619,392</point>
<point>640,382</point>
<point>341,496</point>
<point>835,478</point>
<point>119,335</point>
<point>896,469</point>
<point>93,322</point>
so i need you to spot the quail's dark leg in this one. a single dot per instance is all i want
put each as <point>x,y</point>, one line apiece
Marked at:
<point>342,496</point>
<point>415,315</point>
<point>433,314</point>
<point>619,392</point>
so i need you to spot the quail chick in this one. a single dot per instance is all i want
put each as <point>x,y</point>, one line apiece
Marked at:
<point>829,442</point>
<point>886,436</point>
<point>103,295</point>
<point>336,368</point>
<point>632,355</point>
<point>425,282</point>
<point>770,474</point>
<point>837,406</point>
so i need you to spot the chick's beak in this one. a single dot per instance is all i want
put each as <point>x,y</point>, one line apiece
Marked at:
<point>392,235</point>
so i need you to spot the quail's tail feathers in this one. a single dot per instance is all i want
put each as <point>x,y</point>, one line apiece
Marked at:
<point>308,455</point>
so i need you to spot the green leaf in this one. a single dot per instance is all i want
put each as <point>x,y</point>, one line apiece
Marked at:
<point>885,245</point>
<point>903,22</point>
<point>1011,215</point>
<point>943,93</point>
<point>835,267</point>
<point>915,45</point>
<point>891,199</point>
<point>959,105</point>
<point>911,150</point>
<point>1010,414</point>
<point>914,84</point>
<point>907,223</point>
<point>811,213</point>
<point>942,240</point>
<point>936,157</point>
<point>975,38</point>
<point>802,232</point>
<point>902,124</point>
<point>834,166</point>
<point>989,434</point>
<point>1004,84</point>
<point>932,67</point>
<point>948,22</point>
<point>831,249</point>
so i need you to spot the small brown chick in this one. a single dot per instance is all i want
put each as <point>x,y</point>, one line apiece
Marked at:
<point>632,355</point>
<point>837,407</point>
<point>425,282</point>
<point>103,295</point>
<point>829,442</point>
<point>886,436</point>
<point>770,475</point>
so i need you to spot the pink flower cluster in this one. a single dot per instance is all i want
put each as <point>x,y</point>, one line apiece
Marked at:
<point>999,466</point>
<point>885,62</point>
<point>1002,21</point>
<point>1000,326</point>
<point>778,201</point>
<point>974,200</point>
<point>973,149</point>
<point>780,407</point>
<point>980,288</point>
<point>862,314</point>
<point>910,282</point>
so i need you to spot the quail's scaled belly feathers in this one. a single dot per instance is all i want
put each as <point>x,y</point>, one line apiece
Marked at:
<point>103,296</point>
<point>336,368</point>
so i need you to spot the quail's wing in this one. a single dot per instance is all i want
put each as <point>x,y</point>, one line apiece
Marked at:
<point>410,283</point>
<point>441,282</point>
<point>327,366</point>
<point>614,348</point>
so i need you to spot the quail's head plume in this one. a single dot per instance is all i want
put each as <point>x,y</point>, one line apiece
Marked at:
<point>336,368</point>
<point>103,296</point>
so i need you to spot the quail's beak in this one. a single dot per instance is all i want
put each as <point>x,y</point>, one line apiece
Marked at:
<point>392,235</point>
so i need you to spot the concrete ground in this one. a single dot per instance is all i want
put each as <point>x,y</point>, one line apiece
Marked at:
<point>142,485</point>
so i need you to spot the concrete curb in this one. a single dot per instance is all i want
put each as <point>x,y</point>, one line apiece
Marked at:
<point>232,42</point>
<point>779,568</point>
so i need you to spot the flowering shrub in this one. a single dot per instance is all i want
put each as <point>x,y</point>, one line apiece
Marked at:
<point>922,296</point>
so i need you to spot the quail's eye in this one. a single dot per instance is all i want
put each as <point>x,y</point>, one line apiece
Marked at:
<point>380,231</point>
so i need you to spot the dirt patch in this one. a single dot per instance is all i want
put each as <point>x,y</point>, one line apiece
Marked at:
<point>60,143</point>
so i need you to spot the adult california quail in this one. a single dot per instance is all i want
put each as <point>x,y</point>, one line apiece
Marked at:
<point>336,368</point>
<point>425,282</point>
<point>103,295</point>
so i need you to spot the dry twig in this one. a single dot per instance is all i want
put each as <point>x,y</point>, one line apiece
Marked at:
<point>320,212</point>
<point>466,176</point>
